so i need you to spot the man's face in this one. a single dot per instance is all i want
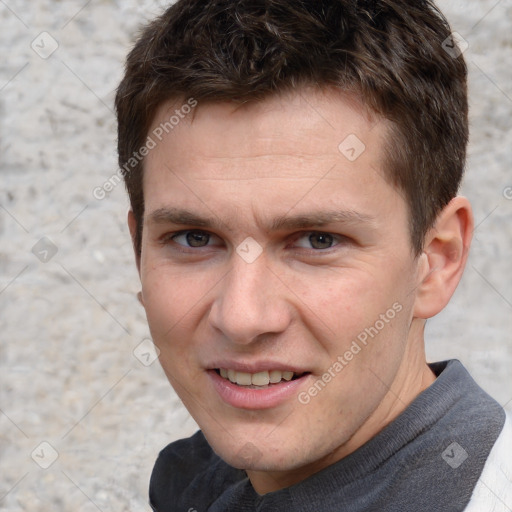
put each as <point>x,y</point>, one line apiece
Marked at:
<point>268,249</point>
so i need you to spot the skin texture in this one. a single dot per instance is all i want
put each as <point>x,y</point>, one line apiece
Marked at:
<point>244,167</point>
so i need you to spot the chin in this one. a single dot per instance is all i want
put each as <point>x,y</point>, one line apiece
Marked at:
<point>257,454</point>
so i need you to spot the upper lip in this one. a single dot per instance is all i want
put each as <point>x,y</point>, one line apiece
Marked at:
<point>255,366</point>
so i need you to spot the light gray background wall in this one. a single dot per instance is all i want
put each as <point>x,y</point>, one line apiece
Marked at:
<point>69,326</point>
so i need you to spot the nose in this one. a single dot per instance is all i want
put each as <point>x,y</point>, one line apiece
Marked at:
<point>250,302</point>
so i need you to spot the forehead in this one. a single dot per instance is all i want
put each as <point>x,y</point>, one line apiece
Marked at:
<point>318,119</point>
<point>284,145</point>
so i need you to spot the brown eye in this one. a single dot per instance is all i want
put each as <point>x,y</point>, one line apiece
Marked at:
<point>197,239</point>
<point>316,241</point>
<point>192,238</point>
<point>321,240</point>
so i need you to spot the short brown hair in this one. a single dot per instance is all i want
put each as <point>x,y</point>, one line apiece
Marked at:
<point>389,52</point>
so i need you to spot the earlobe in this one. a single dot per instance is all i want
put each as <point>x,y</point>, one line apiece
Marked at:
<point>444,257</point>
<point>132,226</point>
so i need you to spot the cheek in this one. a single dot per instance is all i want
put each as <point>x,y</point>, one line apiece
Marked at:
<point>176,303</point>
<point>160,301</point>
<point>168,304</point>
<point>359,309</point>
<point>170,294</point>
<point>338,305</point>
<point>166,312</point>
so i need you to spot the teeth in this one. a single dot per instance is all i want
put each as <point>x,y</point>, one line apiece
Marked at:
<point>275,376</point>
<point>260,379</point>
<point>243,379</point>
<point>256,379</point>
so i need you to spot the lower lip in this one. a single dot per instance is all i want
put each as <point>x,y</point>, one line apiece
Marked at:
<point>250,398</point>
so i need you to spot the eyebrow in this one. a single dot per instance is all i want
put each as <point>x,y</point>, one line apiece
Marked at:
<point>180,216</point>
<point>319,219</point>
<point>314,219</point>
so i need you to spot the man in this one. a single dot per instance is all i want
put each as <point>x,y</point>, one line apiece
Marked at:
<point>293,169</point>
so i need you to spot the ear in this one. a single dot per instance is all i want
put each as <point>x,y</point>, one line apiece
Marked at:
<point>444,257</point>
<point>132,226</point>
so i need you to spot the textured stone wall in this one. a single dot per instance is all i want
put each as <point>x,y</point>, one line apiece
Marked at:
<point>79,394</point>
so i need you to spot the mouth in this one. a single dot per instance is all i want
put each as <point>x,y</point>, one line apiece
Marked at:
<point>260,380</point>
<point>257,384</point>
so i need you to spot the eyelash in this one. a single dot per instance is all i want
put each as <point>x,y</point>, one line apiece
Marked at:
<point>169,238</point>
<point>337,240</point>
